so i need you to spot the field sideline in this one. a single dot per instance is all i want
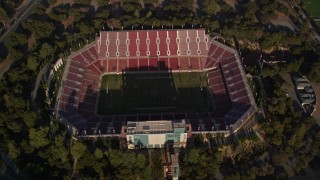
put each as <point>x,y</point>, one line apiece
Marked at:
<point>159,92</point>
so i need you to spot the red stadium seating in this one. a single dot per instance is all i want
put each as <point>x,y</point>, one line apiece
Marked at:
<point>153,64</point>
<point>133,64</point>
<point>116,52</point>
<point>112,65</point>
<point>122,65</point>
<point>194,63</point>
<point>143,64</point>
<point>174,63</point>
<point>184,63</point>
<point>164,63</point>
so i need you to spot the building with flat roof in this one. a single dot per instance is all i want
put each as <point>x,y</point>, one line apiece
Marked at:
<point>155,134</point>
<point>305,93</point>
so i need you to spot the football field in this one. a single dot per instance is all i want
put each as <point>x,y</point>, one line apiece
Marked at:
<point>149,92</point>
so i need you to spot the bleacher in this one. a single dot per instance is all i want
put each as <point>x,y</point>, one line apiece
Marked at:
<point>159,50</point>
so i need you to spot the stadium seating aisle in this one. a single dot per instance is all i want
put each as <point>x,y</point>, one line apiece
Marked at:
<point>93,51</point>
<point>173,46</point>
<point>132,43</point>
<point>163,47</point>
<point>111,42</point>
<point>122,46</point>
<point>88,57</point>
<point>193,44</point>
<point>79,59</point>
<point>183,43</point>
<point>153,47</point>
<point>142,45</point>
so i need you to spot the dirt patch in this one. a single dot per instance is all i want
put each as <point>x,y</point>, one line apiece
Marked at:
<point>95,4</point>
<point>231,2</point>
<point>283,20</point>
<point>249,44</point>
<point>68,22</point>
<point>5,65</point>
<point>31,41</point>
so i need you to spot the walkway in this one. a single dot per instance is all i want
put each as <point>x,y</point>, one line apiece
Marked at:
<point>316,113</point>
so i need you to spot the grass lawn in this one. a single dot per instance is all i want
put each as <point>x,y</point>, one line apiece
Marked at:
<point>162,92</point>
<point>313,8</point>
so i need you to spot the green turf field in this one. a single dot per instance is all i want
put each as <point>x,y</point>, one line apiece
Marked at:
<point>165,92</point>
<point>313,8</point>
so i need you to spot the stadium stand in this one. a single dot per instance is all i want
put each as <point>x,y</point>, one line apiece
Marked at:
<point>154,50</point>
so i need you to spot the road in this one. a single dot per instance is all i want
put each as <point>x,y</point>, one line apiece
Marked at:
<point>11,170</point>
<point>23,13</point>
<point>25,9</point>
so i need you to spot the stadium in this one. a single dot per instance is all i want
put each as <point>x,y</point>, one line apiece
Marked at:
<point>170,78</point>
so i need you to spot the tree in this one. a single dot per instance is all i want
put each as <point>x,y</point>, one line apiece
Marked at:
<point>156,165</point>
<point>98,153</point>
<point>38,137</point>
<point>45,50</point>
<point>12,149</point>
<point>42,29</point>
<point>210,7</point>
<point>29,118</point>
<point>199,164</point>
<point>17,40</point>
<point>3,15</point>
<point>32,63</point>
<point>77,149</point>
<point>314,74</point>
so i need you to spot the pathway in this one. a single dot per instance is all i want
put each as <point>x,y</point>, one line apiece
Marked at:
<point>316,113</point>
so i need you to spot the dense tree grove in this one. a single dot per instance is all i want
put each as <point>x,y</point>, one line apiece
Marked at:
<point>41,147</point>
